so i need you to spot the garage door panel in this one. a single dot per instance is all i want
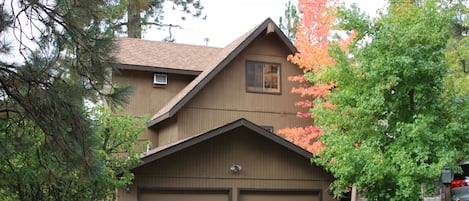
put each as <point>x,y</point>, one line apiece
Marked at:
<point>184,195</point>
<point>279,196</point>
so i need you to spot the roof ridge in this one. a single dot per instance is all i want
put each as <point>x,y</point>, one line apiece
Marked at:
<point>168,43</point>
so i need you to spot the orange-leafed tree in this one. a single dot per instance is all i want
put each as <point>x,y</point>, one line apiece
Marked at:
<point>313,35</point>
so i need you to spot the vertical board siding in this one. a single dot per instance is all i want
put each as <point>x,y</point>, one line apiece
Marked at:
<point>259,157</point>
<point>265,165</point>
<point>147,99</point>
<point>198,120</point>
<point>224,99</point>
<point>167,132</point>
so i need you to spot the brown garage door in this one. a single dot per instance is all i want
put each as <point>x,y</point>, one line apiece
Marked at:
<point>184,195</point>
<point>251,195</point>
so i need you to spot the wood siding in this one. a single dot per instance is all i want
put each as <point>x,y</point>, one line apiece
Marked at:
<point>197,120</point>
<point>147,99</point>
<point>224,99</point>
<point>270,166</point>
<point>265,164</point>
<point>167,132</point>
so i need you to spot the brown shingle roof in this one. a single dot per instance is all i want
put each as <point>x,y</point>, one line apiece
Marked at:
<point>148,53</point>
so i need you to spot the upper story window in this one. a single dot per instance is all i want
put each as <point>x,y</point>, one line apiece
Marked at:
<point>262,77</point>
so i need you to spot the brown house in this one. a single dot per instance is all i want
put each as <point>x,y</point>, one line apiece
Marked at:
<point>215,111</point>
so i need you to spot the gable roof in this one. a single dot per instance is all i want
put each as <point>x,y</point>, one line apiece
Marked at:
<point>224,57</point>
<point>161,152</point>
<point>149,55</point>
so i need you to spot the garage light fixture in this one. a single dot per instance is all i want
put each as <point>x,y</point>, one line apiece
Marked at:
<point>127,189</point>
<point>235,168</point>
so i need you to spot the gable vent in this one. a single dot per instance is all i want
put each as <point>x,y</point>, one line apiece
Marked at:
<point>160,79</point>
<point>270,28</point>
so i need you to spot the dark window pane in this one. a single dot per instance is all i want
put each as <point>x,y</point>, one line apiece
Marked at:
<point>263,77</point>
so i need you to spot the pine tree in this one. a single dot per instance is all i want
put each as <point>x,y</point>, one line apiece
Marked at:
<point>288,23</point>
<point>51,146</point>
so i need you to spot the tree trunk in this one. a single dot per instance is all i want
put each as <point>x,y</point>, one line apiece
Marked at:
<point>354,194</point>
<point>134,26</point>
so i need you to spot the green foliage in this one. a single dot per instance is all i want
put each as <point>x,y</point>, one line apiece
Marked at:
<point>32,171</point>
<point>457,53</point>
<point>392,127</point>
<point>51,147</point>
<point>288,23</point>
<point>119,136</point>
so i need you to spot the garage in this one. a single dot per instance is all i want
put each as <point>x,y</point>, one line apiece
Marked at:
<point>183,195</point>
<point>268,195</point>
<point>202,169</point>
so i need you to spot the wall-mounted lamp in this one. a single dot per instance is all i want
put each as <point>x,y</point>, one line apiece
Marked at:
<point>127,189</point>
<point>235,168</point>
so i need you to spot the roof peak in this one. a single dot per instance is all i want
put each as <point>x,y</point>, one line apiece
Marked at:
<point>225,56</point>
<point>161,152</point>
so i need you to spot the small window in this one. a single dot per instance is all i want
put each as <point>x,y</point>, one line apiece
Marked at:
<point>160,79</point>
<point>262,77</point>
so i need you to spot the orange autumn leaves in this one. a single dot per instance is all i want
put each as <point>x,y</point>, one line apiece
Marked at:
<point>305,137</point>
<point>313,32</point>
<point>313,37</point>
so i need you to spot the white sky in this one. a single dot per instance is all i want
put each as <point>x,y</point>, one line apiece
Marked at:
<point>228,20</point>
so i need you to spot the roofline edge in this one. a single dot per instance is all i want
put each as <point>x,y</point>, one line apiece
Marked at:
<point>157,69</point>
<point>220,130</point>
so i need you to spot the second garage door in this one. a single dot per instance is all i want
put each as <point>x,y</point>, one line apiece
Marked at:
<point>251,195</point>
